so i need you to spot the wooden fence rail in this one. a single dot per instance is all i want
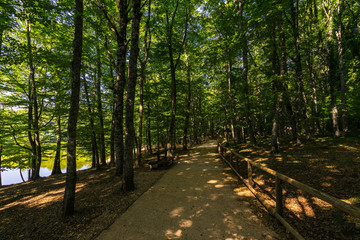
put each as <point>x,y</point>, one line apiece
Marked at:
<point>279,180</point>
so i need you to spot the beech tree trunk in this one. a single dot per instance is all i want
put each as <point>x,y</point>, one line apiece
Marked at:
<point>341,68</point>
<point>1,149</point>
<point>147,42</point>
<point>301,97</point>
<point>56,169</point>
<point>99,105</point>
<point>128,172</point>
<point>122,6</point>
<point>244,44</point>
<point>149,144</point>
<point>94,146</point>
<point>70,185</point>
<point>33,110</point>
<point>188,103</point>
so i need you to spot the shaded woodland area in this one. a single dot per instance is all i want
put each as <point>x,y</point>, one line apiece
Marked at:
<point>109,80</point>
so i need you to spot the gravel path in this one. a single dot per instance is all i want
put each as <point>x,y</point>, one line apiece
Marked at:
<point>194,200</point>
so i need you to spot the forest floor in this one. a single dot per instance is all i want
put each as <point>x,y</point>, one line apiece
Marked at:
<point>32,210</point>
<point>327,164</point>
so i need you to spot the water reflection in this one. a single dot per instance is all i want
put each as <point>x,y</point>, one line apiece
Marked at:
<point>12,176</point>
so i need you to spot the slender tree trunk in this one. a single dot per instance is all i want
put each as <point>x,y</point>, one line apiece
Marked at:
<point>244,44</point>
<point>99,105</point>
<point>341,68</point>
<point>120,85</point>
<point>112,135</point>
<point>128,172</point>
<point>249,121</point>
<point>35,123</point>
<point>332,81</point>
<point>94,145</point>
<point>56,169</point>
<point>147,42</point>
<point>1,149</point>
<point>171,141</point>
<point>301,98</point>
<point>188,102</point>
<point>279,86</point>
<point>70,185</point>
<point>149,129</point>
<point>31,140</point>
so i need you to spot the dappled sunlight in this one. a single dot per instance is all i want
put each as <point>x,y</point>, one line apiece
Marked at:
<point>194,200</point>
<point>177,212</point>
<point>185,223</point>
<point>212,181</point>
<point>170,234</point>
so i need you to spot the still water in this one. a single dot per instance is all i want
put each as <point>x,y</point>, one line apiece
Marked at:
<point>12,176</point>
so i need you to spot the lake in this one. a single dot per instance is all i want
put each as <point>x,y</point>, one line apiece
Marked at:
<point>12,176</point>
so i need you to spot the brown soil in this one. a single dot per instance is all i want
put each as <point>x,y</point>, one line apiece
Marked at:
<point>329,165</point>
<point>32,210</point>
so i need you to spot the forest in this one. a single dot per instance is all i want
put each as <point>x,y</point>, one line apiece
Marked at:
<point>109,81</point>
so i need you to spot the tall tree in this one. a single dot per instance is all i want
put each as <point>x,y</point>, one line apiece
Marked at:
<point>174,62</point>
<point>99,102</point>
<point>143,62</point>
<point>70,185</point>
<point>128,172</point>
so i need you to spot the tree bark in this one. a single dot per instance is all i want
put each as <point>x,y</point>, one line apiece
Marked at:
<point>56,169</point>
<point>339,32</point>
<point>1,149</point>
<point>70,185</point>
<point>149,129</point>
<point>112,135</point>
<point>188,102</point>
<point>128,170</point>
<point>120,85</point>
<point>34,109</point>
<point>147,42</point>
<point>94,146</point>
<point>244,45</point>
<point>301,97</point>
<point>99,104</point>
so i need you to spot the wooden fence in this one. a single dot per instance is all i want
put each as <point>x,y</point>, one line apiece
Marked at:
<point>279,180</point>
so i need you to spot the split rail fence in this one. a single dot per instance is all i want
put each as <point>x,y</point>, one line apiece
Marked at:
<point>280,179</point>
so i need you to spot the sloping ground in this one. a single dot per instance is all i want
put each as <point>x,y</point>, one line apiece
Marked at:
<point>32,210</point>
<point>327,164</point>
<point>193,200</point>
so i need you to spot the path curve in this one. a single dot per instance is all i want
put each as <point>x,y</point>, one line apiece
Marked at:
<point>194,200</point>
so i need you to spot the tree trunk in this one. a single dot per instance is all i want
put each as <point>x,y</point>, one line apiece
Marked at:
<point>36,145</point>
<point>128,170</point>
<point>171,139</point>
<point>244,44</point>
<point>120,85</point>
<point>94,146</point>
<point>249,121</point>
<point>99,104</point>
<point>141,106</point>
<point>70,185</point>
<point>341,68</point>
<point>56,169</point>
<point>188,103</point>
<point>301,97</point>
<point>149,129</point>
<point>1,149</point>
<point>112,135</point>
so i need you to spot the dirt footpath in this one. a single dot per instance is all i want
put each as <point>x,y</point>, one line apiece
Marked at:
<point>194,200</point>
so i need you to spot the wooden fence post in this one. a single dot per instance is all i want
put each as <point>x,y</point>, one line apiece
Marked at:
<point>250,179</point>
<point>279,196</point>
